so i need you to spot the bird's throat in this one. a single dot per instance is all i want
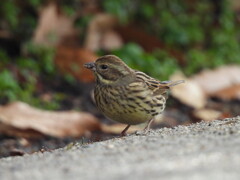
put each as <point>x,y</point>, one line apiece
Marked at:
<point>103,81</point>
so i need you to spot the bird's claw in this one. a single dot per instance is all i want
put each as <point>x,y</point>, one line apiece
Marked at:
<point>142,132</point>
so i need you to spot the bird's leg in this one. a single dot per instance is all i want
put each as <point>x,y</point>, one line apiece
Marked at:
<point>123,133</point>
<point>146,129</point>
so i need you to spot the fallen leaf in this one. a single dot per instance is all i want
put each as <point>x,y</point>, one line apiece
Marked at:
<point>207,114</point>
<point>20,116</point>
<point>53,26</point>
<point>9,130</point>
<point>229,93</point>
<point>235,4</point>
<point>111,40</point>
<point>222,82</point>
<point>71,60</point>
<point>189,93</point>
<point>101,34</point>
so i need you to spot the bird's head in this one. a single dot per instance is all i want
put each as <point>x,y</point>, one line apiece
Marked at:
<point>111,70</point>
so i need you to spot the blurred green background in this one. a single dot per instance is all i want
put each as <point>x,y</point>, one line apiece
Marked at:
<point>204,33</point>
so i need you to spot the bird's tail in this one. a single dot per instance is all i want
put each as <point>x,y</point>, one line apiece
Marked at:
<point>171,83</point>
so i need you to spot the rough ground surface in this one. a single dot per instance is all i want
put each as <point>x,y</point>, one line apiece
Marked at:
<point>200,151</point>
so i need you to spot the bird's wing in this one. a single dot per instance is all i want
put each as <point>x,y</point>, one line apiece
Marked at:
<point>158,87</point>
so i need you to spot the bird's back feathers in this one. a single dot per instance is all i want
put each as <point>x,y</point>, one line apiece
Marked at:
<point>158,87</point>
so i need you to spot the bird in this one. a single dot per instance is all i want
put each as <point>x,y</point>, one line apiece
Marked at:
<point>126,95</point>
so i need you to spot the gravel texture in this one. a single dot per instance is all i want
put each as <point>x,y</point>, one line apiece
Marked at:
<point>199,151</point>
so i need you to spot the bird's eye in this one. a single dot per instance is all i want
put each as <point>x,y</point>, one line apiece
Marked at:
<point>104,66</point>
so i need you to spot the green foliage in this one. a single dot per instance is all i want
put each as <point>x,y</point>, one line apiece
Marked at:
<point>197,60</point>
<point>122,9</point>
<point>42,54</point>
<point>8,85</point>
<point>9,12</point>
<point>12,89</point>
<point>169,20</point>
<point>168,64</point>
<point>23,85</point>
<point>21,76</point>
<point>34,3</point>
<point>4,59</point>
<point>19,19</point>
<point>205,31</point>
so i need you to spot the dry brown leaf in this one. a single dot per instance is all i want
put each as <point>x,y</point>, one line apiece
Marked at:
<point>223,82</point>
<point>235,4</point>
<point>207,114</point>
<point>21,117</point>
<point>53,26</point>
<point>111,40</point>
<point>71,60</point>
<point>100,33</point>
<point>232,92</point>
<point>220,79</point>
<point>9,130</point>
<point>189,93</point>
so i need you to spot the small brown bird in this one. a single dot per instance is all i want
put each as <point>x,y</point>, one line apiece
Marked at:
<point>126,95</point>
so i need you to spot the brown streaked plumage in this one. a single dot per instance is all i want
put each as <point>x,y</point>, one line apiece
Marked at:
<point>126,95</point>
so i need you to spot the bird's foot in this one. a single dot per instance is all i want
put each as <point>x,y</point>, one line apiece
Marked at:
<point>143,132</point>
<point>124,132</point>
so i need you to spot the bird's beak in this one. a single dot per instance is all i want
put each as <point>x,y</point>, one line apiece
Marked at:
<point>90,66</point>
